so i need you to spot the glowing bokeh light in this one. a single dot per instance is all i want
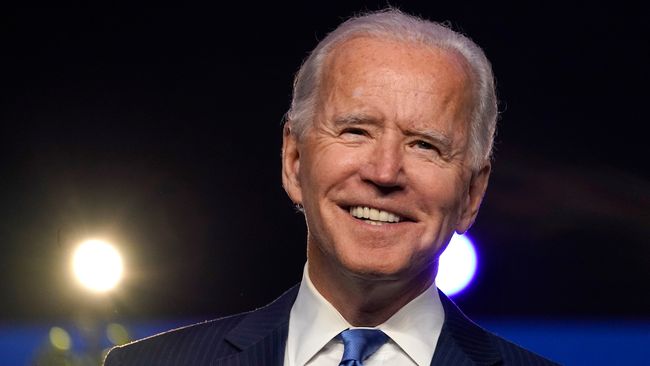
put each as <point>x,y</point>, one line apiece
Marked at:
<point>457,265</point>
<point>97,265</point>
<point>117,334</point>
<point>60,339</point>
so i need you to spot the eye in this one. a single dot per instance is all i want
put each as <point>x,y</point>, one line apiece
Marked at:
<point>424,145</point>
<point>354,131</point>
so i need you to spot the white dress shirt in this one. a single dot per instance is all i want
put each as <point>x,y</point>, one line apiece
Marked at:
<point>314,324</point>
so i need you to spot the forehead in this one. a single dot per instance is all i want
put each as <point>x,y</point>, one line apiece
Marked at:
<point>379,61</point>
<point>407,82</point>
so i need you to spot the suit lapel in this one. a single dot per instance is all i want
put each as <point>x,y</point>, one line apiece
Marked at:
<point>262,335</point>
<point>462,342</point>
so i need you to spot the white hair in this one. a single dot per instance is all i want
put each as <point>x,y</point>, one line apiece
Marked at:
<point>394,25</point>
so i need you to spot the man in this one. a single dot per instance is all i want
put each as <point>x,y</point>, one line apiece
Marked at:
<point>387,151</point>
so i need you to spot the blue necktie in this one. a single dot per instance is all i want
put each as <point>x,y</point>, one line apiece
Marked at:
<point>360,344</point>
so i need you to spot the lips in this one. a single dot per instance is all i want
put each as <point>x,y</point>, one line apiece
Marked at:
<point>374,216</point>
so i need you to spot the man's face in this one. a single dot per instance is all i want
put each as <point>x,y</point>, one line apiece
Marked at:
<point>383,171</point>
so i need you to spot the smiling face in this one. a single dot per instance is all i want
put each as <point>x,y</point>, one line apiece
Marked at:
<point>383,172</point>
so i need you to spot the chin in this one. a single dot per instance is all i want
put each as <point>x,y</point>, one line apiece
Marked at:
<point>376,269</point>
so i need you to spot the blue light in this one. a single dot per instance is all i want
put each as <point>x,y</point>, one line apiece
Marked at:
<point>457,265</point>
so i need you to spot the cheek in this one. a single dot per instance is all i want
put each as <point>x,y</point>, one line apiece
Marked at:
<point>313,177</point>
<point>331,165</point>
<point>442,196</point>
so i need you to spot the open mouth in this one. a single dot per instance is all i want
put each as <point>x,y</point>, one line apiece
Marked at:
<point>374,216</point>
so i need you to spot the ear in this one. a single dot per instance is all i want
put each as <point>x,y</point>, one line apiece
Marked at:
<point>474,195</point>
<point>291,165</point>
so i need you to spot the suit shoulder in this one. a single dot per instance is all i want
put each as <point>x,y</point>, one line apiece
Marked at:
<point>514,354</point>
<point>178,346</point>
<point>201,343</point>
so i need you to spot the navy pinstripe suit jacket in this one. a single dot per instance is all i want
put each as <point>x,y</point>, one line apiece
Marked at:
<point>258,338</point>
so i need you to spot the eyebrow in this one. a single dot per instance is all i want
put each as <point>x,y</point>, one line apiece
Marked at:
<point>352,119</point>
<point>355,119</point>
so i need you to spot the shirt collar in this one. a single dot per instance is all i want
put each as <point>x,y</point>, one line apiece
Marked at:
<point>415,328</point>
<point>313,322</point>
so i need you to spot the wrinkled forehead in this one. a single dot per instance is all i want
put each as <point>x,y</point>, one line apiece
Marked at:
<point>380,59</point>
<point>419,83</point>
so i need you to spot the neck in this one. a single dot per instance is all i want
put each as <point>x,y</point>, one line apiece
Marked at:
<point>364,301</point>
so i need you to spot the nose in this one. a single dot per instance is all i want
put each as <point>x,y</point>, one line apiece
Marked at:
<point>384,167</point>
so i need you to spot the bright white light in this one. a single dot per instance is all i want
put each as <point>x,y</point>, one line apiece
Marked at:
<point>97,265</point>
<point>457,265</point>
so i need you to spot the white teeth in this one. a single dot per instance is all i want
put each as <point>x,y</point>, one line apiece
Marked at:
<point>383,216</point>
<point>376,216</point>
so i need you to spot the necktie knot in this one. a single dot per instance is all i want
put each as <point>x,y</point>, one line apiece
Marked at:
<point>359,344</point>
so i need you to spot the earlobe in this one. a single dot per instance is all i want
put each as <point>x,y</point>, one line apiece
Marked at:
<point>474,196</point>
<point>291,165</point>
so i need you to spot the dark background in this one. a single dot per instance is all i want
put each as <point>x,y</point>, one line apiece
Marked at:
<point>160,129</point>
